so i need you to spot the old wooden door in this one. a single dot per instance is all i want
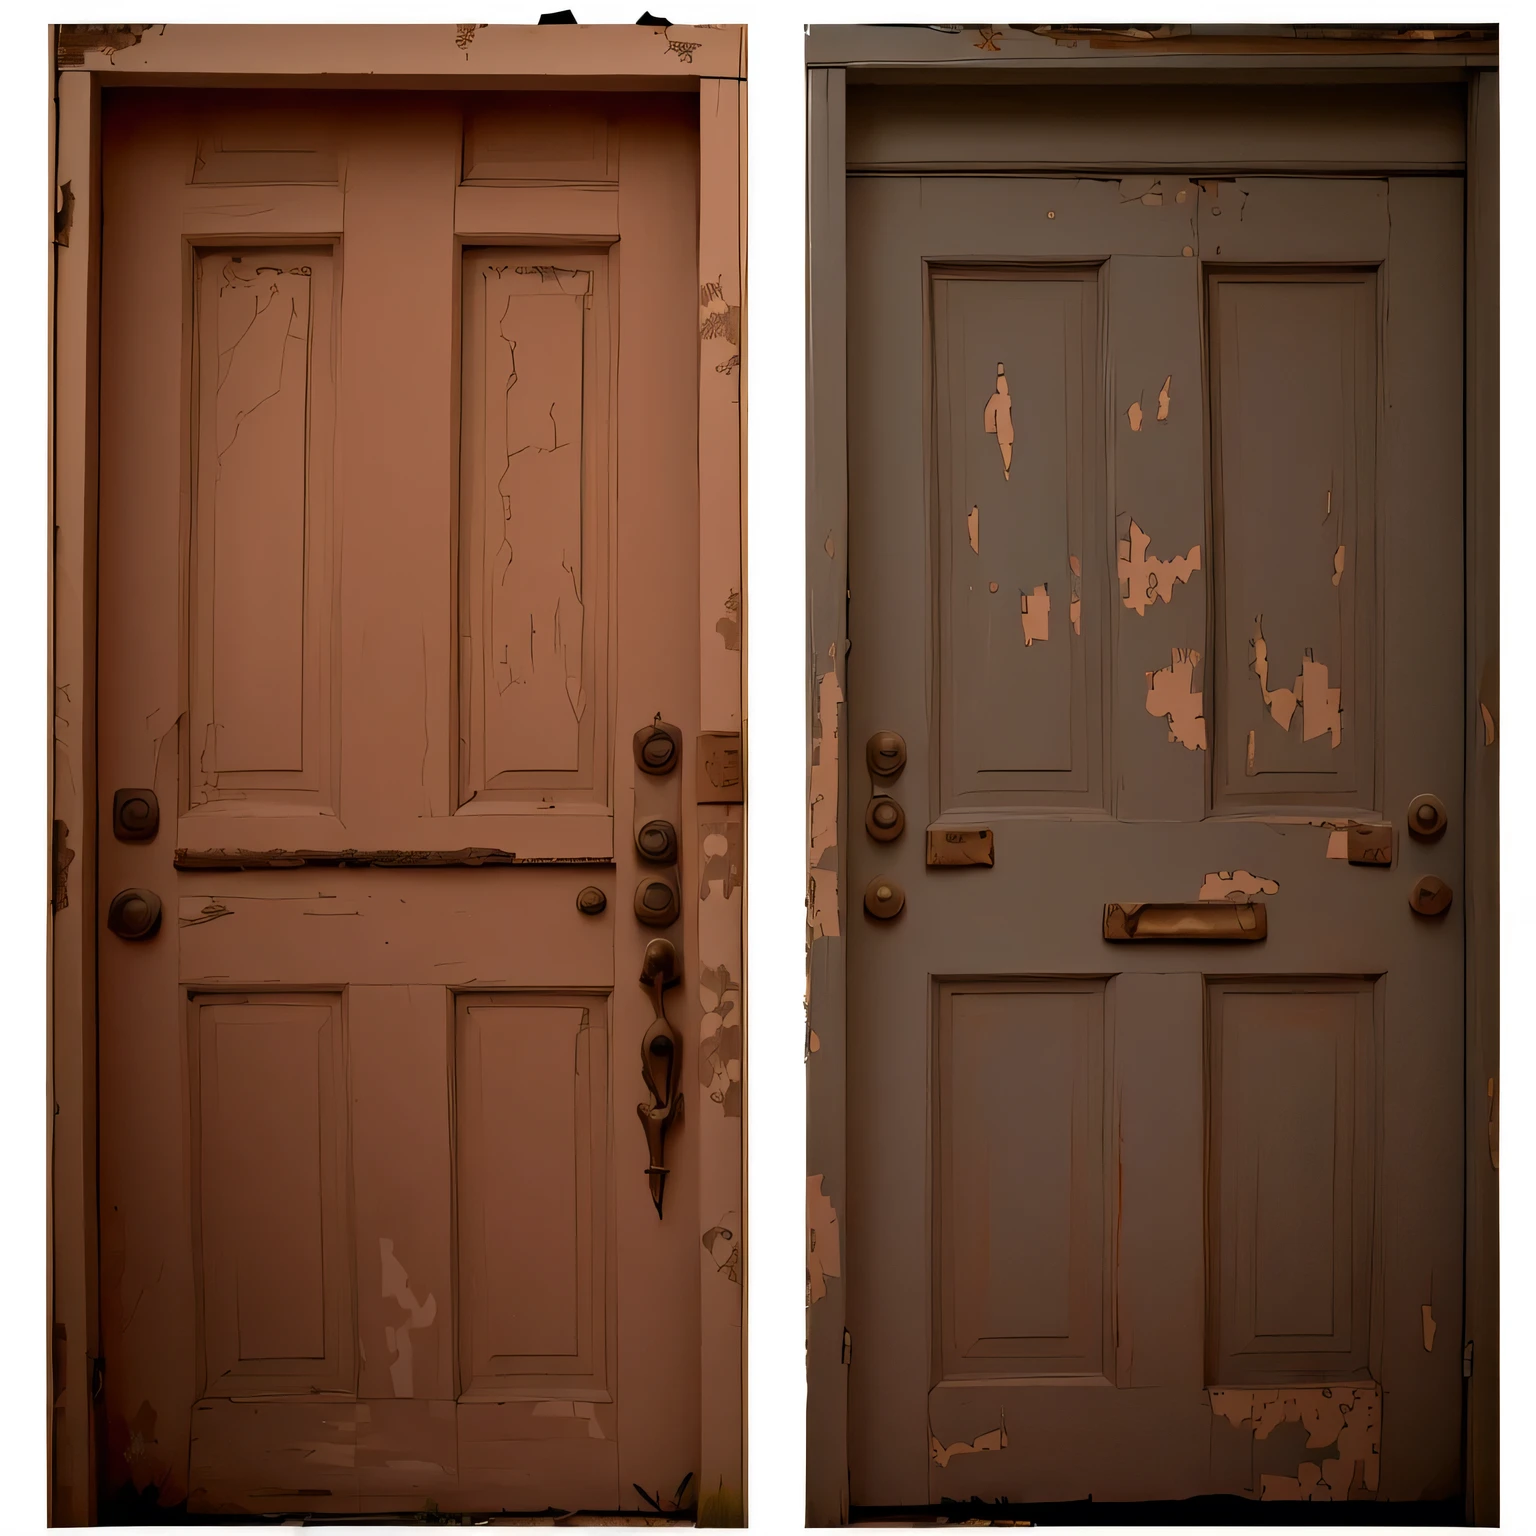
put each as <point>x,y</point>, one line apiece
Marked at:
<point>1155,543</point>
<point>398,551</point>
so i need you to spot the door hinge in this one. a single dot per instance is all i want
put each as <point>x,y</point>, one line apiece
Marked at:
<point>1466,1360</point>
<point>847,1347</point>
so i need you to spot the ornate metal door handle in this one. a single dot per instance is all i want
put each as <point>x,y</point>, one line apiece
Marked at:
<point>660,1065</point>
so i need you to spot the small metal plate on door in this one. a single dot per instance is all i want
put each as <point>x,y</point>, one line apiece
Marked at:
<point>719,768</point>
<point>1202,922</point>
<point>1370,844</point>
<point>960,846</point>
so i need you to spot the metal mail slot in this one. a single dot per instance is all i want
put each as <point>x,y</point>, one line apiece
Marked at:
<point>1205,922</point>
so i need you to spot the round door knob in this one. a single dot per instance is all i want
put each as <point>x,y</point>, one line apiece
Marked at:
<point>883,898</point>
<point>1430,896</point>
<point>134,914</point>
<point>590,901</point>
<point>886,754</point>
<point>885,820</point>
<point>657,747</point>
<point>656,903</point>
<point>657,842</point>
<point>1426,817</point>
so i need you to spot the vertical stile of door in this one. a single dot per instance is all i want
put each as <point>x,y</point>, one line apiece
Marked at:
<point>722,106</point>
<point>826,1429</point>
<point>73,792</point>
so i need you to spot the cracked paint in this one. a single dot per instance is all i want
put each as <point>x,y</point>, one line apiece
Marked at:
<point>537,615</point>
<point>993,1440</point>
<point>720,1041</point>
<point>1035,615</point>
<point>823,1256</point>
<point>997,418</point>
<point>1346,1417</point>
<point>1320,706</point>
<point>723,1246</point>
<point>1144,578</point>
<point>419,1314</point>
<point>1236,885</point>
<point>728,627</point>
<point>1171,693</point>
<point>823,852</point>
<point>973,529</point>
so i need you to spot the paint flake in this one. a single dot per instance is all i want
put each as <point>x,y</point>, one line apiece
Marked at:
<point>1165,394</point>
<point>822,894</point>
<point>1345,1417</point>
<point>1320,704</point>
<point>993,1440</point>
<point>1133,415</point>
<point>1338,565</point>
<point>823,1254</point>
<point>973,529</point>
<point>998,419</point>
<point>1488,732</point>
<point>1035,615</point>
<point>419,1314</point>
<point>1172,694</point>
<point>1144,578</point>
<point>1236,885</point>
<point>1075,607</point>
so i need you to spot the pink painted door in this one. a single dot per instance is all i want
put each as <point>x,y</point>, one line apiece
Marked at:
<point>398,552</point>
<point>1155,565</point>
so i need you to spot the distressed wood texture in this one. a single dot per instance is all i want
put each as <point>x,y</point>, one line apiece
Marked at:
<point>1018,351</point>
<point>373,1187</point>
<point>1292,1195</point>
<point>73,1235</point>
<point>1481,736</point>
<point>454,55</point>
<point>826,559</point>
<point>722,827</point>
<point>1019,1179</point>
<point>1313,318</point>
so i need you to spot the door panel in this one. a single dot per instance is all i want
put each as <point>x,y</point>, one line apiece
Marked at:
<point>377,482</point>
<point>1249,1194</point>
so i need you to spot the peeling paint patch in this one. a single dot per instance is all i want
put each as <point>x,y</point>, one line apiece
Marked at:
<point>419,1314</point>
<point>1075,607</point>
<point>1488,732</point>
<point>1144,579</point>
<point>724,1247</point>
<point>993,1440</point>
<point>1133,415</point>
<point>720,1041</point>
<point>1146,190</point>
<point>997,418</point>
<point>1171,692</point>
<point>1346,1417</point>
<point>1338,565</point>
<point>1248,765</point>
<point>1165,394</point>
<point>823,1255</point>
<point>722,850</point>
<point>822,895</point>
<point>1320,705</point>
<point>1427,1313</point>
<point>1035,615</point>
<point>973,529</point>
<point>1236,885</point>
<point>728,627</point>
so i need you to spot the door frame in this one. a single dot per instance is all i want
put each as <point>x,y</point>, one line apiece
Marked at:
<point>840,56</point>
<point>85,61</point>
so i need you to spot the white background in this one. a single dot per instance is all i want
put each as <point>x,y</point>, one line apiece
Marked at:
<point>775,356</point>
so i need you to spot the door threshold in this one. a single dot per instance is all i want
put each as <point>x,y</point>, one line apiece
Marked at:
<point>1207,1509</point>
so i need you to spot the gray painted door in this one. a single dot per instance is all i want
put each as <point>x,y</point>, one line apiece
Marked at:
<point>1156,567</point>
